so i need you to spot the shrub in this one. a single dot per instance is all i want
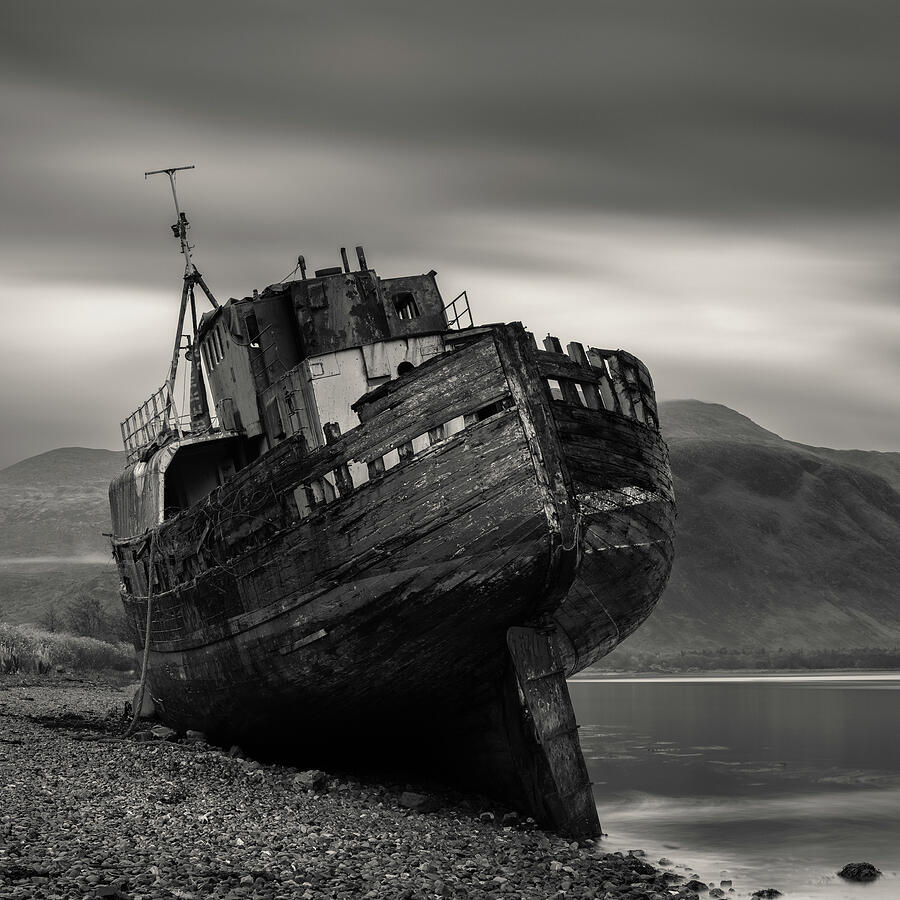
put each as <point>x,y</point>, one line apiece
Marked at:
<point>27,649</point>
<point>86,615</point>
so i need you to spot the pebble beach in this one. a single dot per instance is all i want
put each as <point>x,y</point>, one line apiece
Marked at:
<point>85,812</point>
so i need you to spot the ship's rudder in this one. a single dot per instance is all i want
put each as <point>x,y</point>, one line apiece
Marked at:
<point>543,737</point>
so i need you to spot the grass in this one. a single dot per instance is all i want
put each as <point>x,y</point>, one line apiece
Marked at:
<point>30,650</point>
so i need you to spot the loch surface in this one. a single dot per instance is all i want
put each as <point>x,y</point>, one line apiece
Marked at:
<point>763,780</point>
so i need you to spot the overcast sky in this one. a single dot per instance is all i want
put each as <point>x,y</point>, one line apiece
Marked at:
<point>710,185</point>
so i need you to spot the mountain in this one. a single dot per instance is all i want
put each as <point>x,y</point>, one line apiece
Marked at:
<point>55,504</point>
<point>53,512</point>
<point>778,545</point>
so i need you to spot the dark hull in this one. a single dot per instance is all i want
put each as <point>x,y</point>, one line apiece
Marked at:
<point>416,606</point>
<point>621,479</point>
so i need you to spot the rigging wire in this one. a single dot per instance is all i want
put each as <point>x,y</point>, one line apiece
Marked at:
<point>145,660</point>
<point>292,272</point>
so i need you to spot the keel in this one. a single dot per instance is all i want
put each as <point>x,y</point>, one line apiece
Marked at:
<point>543,738</point>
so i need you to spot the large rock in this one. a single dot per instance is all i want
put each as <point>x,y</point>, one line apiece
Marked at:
<point>311,780</point>
<point>163,733</point>
<point>861,871</point>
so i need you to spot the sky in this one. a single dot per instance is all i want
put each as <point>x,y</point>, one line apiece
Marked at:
<point>712,186</point>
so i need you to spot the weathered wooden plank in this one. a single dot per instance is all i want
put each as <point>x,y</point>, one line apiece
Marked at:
<point>471,362</point>
<point>589,389</point>
<point>558,774</point>
<point>454,514</point>
<point>552,344</point>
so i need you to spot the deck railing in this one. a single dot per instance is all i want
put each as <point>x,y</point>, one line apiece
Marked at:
<point>612,380</point>
<point>153,417</point>
<point>153,422</point>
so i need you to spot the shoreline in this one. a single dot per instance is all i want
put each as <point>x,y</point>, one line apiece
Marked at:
<point>728,674</point>
<point>87,813</point>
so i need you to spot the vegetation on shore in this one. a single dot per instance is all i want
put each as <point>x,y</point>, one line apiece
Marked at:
<point>28,649</point>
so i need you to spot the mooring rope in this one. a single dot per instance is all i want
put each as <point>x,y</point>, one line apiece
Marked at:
<point>145,661</point>
<point>575,530</point>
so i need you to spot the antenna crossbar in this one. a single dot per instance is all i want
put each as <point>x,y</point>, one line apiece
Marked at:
<point>167,171</point>
<point>181,223</point>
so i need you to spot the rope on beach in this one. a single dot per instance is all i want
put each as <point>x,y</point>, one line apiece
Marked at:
<point>145,661</point>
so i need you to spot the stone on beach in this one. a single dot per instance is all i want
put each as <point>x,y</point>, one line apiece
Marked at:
<point>164,733</point>
<point>311,780</point>
<point>861,871</point>
<point>162,819</point>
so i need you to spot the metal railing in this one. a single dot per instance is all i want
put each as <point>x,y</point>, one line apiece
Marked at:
<point>154,417</point>
<point>153,422</point>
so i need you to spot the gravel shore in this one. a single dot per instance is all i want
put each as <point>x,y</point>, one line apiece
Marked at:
<point>86,813</point>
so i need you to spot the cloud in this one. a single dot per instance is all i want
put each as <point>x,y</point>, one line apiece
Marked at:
<point>798,327</point>
<point>712,185</point>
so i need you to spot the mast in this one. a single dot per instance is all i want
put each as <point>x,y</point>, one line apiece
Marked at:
<point>179,229</point>
<point>199,406</point>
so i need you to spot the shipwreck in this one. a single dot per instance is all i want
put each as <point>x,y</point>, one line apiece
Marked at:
<point>390,529</point>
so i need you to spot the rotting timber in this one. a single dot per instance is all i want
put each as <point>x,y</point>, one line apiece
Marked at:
<point>395,533</point>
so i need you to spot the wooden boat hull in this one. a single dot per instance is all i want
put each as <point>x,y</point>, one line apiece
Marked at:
<point>426,603</point>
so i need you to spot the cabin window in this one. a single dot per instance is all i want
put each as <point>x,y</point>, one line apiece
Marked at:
<point>211,351</point>
<point>405,368</point>
<point>252,326</point>
<point>405,304</point>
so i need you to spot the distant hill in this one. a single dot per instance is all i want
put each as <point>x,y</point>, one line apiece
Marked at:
<point>778,544</point>
<point>53,512</point>
<point>55,504</point>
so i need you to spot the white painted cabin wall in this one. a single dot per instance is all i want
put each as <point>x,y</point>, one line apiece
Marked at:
<point>340,379</point>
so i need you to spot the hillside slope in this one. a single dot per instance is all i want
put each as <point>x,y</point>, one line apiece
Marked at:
<point>778,544</point>
<point>55,504</point>
<point>53,512</point>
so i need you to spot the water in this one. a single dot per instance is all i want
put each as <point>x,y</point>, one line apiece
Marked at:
<point>770,781</point>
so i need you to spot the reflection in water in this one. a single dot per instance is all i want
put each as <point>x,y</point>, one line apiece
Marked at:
<point>768,781</point>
